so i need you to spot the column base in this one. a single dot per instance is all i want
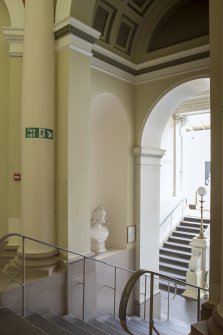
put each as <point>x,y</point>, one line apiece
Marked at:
<point>7,253</point>
<point>37,260</point>
<point>199,328</point>
<point>38,264</point>
<point>215,323</point>
<point>207,310</point>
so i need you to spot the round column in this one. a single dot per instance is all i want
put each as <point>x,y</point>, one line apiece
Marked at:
<point>37,125</point>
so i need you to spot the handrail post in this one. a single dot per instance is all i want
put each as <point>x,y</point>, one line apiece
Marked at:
<point>115,282</point>
<point>145,297</point>
<point>168,307</point>
<point>84,275</point>
<point>151,304</point>
<point>23,276</point>
<point>198,304</point>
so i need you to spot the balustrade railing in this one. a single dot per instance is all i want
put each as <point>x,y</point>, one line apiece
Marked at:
<point>183,204</point>
<point>120,299</point>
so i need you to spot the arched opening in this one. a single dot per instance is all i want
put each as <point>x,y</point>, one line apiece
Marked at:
<point>109,163</point>
<point>149,169</point>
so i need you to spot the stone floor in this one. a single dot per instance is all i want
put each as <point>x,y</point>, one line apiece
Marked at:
<point>181,310</point>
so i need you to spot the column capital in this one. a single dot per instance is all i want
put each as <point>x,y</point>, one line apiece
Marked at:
<point>76,35</point>
<point>15,37</point>
<point>148,156</point>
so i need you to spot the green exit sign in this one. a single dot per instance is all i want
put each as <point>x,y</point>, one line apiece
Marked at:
<point>39,133</point>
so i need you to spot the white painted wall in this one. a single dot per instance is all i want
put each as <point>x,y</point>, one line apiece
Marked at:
<point>196,150</point>
<point>167,162</point>
<point>168,198</point>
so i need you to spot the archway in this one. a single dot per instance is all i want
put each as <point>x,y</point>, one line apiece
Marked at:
<point>148,170</point>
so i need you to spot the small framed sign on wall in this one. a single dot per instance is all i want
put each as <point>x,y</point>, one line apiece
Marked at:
<point>131,234</point>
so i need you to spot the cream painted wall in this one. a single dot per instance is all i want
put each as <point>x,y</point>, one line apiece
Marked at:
<point>83,10</point>
<point>72,159</point>
<point>4,121</point>
<point>109,163</point>
<point>79,97</point>
<point>112,159</point>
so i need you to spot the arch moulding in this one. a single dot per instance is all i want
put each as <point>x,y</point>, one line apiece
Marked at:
<point>16,12</point>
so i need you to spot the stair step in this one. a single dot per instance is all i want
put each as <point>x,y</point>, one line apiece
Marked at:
<point>177,246</point>
<point>91,329</point>
<point>46,325</point>
<point>132,327</point>
<point>137,323</point>
<point>179,288</point>
<point>173,269</point>
<point>106,328</point>
<point>192,224</point>
<point>184,235</point>
<point>115,327</point>
<point>175,253</point>
<point>175,276</point>
<point>72,328</point>
<point>166,285</point>
<point>194,219</point>
<point>185,229</point>
<point>181,240</point>
<point>175,261</point>
<point>13,324</point>
<point>165,327</point>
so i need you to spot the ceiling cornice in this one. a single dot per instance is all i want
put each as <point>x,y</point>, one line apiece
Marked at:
<point>165,66</point>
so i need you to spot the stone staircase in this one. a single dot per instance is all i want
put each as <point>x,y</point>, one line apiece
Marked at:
<point>35,324</point>
<point>176,252</point>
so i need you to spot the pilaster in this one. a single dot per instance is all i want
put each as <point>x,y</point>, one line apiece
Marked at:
<point>74,41</point>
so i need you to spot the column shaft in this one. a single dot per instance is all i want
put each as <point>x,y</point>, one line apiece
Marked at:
<point>37,125</point>
<point>215,323</point>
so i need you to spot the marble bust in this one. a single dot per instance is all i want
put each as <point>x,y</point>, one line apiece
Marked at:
<point>99,232</point>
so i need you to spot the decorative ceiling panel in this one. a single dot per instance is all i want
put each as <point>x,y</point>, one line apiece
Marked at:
<point>140,6</point>
<point>103,20</point>
<point>126,33</point>
<point>134,29</point>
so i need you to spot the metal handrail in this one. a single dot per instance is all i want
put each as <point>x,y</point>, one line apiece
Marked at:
<point>171,213</point>
<point>23,283</point>
<point>129,286</point>
<point>126,291</point>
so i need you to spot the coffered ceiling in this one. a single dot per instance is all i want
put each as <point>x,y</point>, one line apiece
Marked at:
<point>136,29</point>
